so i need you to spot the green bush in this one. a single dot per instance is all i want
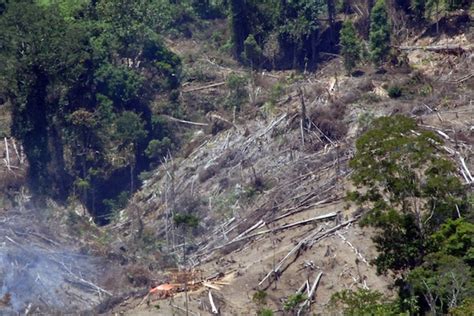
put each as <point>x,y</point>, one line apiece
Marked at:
<point>238,94</point>
<point>394,92</point>
<point>363,302</point>
<point>158,148</point>
<point>259,297</point>
<point>265,312</point>
<point>293,301</point>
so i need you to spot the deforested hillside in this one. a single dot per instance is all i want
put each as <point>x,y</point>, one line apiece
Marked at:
<point>269,188</point>
<point>237,157</point>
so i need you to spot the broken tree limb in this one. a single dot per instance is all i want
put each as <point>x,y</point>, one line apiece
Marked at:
<point>303,222</point>
<point>309,240</point>
<point>286,226</point>
<point>213,306</point>
<point>85,282</point>
<point>332,230</point>
<point>211,286</point>
<point>292,251</point>
<point>259,224</point>
<point>302,287</point>
<point>466,170</point>
<point>311,294</point>
<point>7,154</point>
<point>183,121</point>
<point>357,252</point>
<point>300,209</point>
<point>183,309</point>
<point>214,85</point>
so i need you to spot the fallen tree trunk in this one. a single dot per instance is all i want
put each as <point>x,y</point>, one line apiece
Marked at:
<point>444,49</point>
<point>311,293</point>
<point>183,121</point>
<point>214,85</point>
<point>213,306</point>
<point>309,241</point>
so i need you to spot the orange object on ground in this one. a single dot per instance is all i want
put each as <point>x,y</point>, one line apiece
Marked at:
<point>163,288</point>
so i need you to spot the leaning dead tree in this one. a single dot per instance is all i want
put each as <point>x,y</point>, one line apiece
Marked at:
<point>444,49</point>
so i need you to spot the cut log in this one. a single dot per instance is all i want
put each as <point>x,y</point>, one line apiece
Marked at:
<point>7,154</point>
<point>183,121</point>
<point>357,252</point>
<point>303,222</point>
<point>214,85</point>
<point>211,286</point>
<point>213,306</point>
<point>466,170</point>
<point>302,287</point>
<point>259,224</point>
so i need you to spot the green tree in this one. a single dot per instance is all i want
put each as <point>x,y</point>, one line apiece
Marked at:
<point>350,45</point>
<point>73,67</point>
<point>130,129</point>
<point>238,94</point>
<point>408,189</point>
<point>455,238</point>
<point>379,35</point>
<point>443,281</point>
<point>252,52</point>
<point>239,24</point>
<point>363,302</point>
<point>42,54</point>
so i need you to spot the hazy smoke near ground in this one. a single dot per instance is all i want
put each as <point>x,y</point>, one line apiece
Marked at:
<point>39,275</point>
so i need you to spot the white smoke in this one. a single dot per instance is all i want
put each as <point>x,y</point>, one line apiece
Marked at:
<point>38,275</point>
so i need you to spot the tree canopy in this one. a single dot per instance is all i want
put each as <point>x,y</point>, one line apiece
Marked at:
<point>74,71</point>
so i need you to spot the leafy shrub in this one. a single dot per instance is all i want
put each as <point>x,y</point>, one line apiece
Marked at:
<point>252,53</point>
<point>158,148</point>
<point>363,302</point>
<point>394,91</point>
<point>238,94</point>
<point>293,301</point>
<point>259,297</point>
<point>265,312</point>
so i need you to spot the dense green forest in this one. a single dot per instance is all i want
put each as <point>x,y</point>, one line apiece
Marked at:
<point>83,76</point>
<point>83,80</point>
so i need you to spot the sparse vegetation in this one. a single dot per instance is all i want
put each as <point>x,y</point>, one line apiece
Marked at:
<point>293,301</point>
<point>394,91</point>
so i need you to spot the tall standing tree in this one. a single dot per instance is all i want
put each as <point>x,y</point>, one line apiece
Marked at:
<point>350,46</point>
<point>406,187</point>
<point>130,129</point>
<point>331,9</point>
<point>379,36</point>
<point>186,222</point>
<point>239,25</point>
